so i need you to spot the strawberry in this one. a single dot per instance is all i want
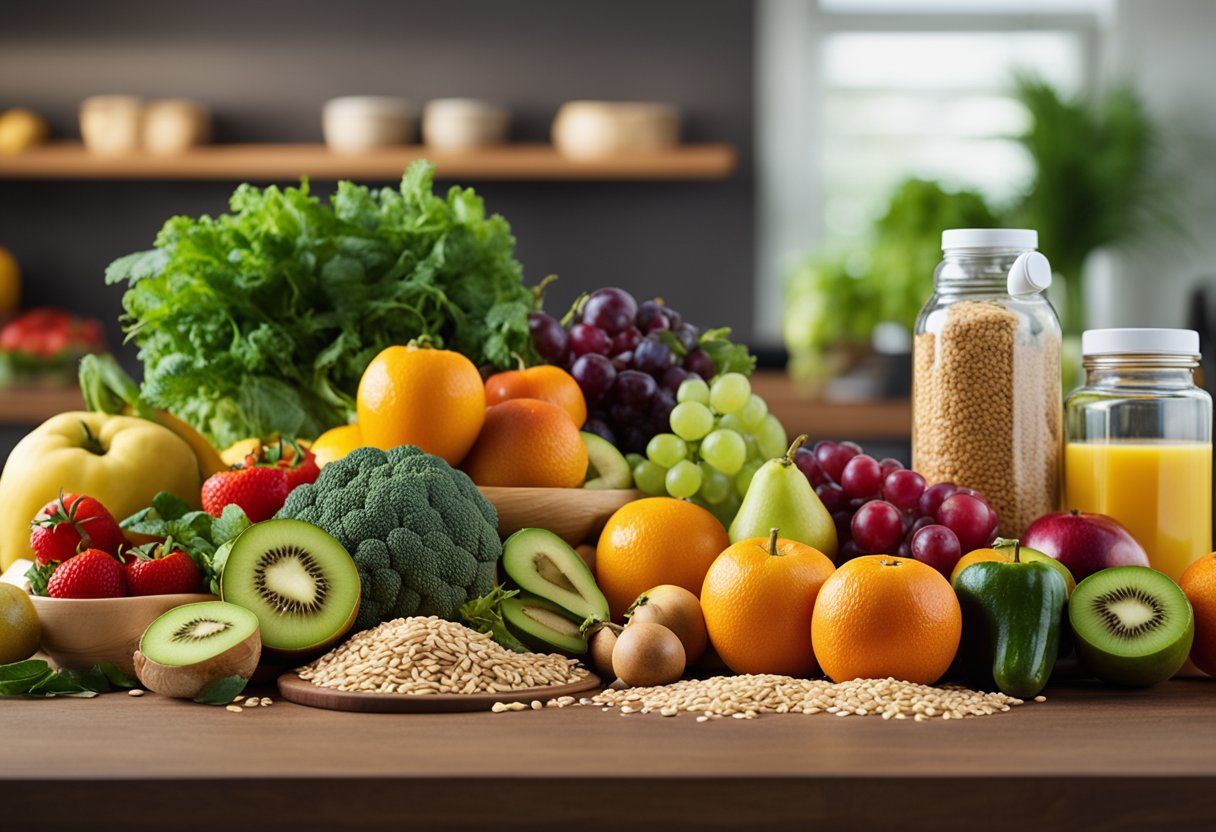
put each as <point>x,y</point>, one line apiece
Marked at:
<point>301,472</point>
<point>91,574</point>
<point>162,569</point>
<point>258,489</point>
<point>70,524</point>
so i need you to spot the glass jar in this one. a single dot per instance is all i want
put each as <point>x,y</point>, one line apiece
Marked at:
<point>986,391</point>
<point>1139,441</point>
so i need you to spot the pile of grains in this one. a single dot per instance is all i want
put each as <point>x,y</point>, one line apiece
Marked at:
<point>420,656</point>
<point>987,411</point>
<point>746,697</point>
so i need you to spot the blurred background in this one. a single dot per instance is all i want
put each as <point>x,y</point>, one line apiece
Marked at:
<point>822,147</point>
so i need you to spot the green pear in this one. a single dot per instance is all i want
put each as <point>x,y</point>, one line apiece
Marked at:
<point>781,497</point>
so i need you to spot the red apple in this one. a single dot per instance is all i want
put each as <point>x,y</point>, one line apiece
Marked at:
<point>1085,543</point>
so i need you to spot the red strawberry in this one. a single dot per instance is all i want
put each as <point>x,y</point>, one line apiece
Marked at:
<point>91,574</point>
<point>299,473</point>
<point>259,490</point>
<point>70,524</point>
<point>166,570</point>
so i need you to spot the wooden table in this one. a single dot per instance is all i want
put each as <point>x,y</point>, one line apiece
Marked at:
<point>1089,758</point>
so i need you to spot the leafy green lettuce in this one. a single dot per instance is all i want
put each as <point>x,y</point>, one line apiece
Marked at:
<point>262,320</point>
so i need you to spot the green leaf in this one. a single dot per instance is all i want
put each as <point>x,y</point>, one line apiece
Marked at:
<point>170,506</point>
<point>39,577</point>
<point>673,343</point>
<point>116,677</point>
<point>221,691</point>
<point>231,522</point>
<point>484,615</point>
<point>19,678</point>
<point>36,678</point>
<point>218,561</point>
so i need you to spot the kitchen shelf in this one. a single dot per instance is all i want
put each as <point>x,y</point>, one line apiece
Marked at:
<point>263,162</point>
<point>34,405</point>
<point>1090,757</point>
<point>819,418</point>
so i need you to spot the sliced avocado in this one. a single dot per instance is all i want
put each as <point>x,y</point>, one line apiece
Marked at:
<point>606,467</point>
<point>543,625</point>
<point>543,564</point>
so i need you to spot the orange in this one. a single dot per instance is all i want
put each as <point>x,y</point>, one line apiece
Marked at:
<point>882,615</point>
<point>547,383</point>
<point>758,598</point>
<point>658,540</point>
<point>415,395</point>
<point>336,443</point>
<point>528,443</point>
<point>1199,584</point>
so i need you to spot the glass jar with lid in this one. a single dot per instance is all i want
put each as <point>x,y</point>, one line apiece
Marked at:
<point>986,398</point>
<point>1139,441</point>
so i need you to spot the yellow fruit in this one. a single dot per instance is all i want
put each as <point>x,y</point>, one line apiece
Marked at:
<point>20,631</point>
<point>21,129</point>
<point>10,284</point>
<point>336,443</point>
<point>238,450</point>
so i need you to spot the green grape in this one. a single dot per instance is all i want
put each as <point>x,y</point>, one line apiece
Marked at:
<point>744,478</point>
<point>693,390</point>
<point>725,450</point>
<point>683,479</point>
<point>715,486</point>
<point>729,392</point>
<point>650,478</point>
<point>633,460</point>
<point>753,447</point>
<point>691,420</point>
<point>753,413</point>
<point>772,438</point>
<point>732,421</point>
<point>666,449</point>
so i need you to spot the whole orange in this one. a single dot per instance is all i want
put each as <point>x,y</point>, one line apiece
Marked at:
<point>1199,584</point>
<point>528,443</point>
<point>415,395</point>
<point>336,443</point>
<point>758,598</point>
<point>546,382</point>
<point>658,540</point>
<point>882,615</point>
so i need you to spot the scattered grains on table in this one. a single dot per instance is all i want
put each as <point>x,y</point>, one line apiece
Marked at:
<point>428,656</point>
<point>749,696</point>
<point>135,692</point>
<point>1040,698</point>
<point>252,702</point>
<point>267,701</point>
<point>236,709</point>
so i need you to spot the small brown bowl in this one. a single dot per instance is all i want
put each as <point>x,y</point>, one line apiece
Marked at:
<point>576,515</point>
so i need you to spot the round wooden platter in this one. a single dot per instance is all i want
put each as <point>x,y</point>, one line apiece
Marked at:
<point>294,689</point>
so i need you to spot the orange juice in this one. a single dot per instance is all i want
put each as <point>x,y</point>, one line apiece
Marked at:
<point>1161,491</point>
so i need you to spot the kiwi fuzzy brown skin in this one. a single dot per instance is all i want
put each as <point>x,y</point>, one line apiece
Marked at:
<point>600,646</point>
<point>648,654</point>
<point>186,681</point>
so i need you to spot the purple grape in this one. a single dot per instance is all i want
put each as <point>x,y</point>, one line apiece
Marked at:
<point>933,497</point>
<point>861,477</point>
<point>632,439</point>
<point>623,415</point>
<point>673,377</point>
<point>698,361</point>
<point>833,457</point>
<point>804,458</point>
<point>610,309</point>
<point>588,340</point>
<point>902,488</point>
<point>622,361</point>
<point>652,356</point>
<point>625,341</point>
<point>937,546</point>
<point>877,527</point>
<point>651,317</point>
<point>600,428</point>
<point>594,374</point>
<point>634,389</point>
<point>674,319</point>
<point>548,337</point>
<point>842,519</point>
<point>968,517</point>
<point>847,551</point>
<point>660,408</point>
<point>833,497</point>
<point>689,336</point>
<point>852,446</point>
<point>904,550</point>
<point>918,524</point>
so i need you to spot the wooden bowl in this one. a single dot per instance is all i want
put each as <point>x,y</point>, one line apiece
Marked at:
<point>80,632</point>
<point>576,515</point>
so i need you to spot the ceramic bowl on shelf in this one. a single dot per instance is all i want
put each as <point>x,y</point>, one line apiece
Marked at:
<point>360,123</point>
<point>110,124</point>
<point>596,129</point>
<point>576,515</point>
<point>457,124</point>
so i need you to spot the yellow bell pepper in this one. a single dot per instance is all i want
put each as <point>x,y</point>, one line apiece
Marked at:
<point>120,460</point>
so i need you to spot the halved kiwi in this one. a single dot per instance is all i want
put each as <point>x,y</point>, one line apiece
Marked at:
<point>1132,625</point>
<point>606,466</point>
<point>298,580</point>
<point>545,565</point>
<point>190,646</point>
<point>543,625</point>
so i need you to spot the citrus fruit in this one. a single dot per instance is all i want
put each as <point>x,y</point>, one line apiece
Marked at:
<point>414,395</point>
<point>528,443</point>
<point>881,615</point>
<point>336,443</point>
<point>658,540</point>
<point>20,631</point>
<point>1198,582</point>
<point>546,382</point>
<point>758,599</point>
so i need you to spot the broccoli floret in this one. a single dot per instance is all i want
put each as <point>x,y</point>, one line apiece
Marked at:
<point>423,537</point>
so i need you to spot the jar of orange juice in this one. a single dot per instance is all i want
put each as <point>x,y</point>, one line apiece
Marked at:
<point>1139,441</point>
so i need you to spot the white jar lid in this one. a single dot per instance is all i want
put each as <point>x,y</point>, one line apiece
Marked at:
<point>990,238</point>
<point>1140,341</point>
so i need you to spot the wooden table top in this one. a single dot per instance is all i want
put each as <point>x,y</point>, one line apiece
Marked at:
<point>1088,758</point>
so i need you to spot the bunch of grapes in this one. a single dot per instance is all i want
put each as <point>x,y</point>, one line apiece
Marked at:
<point>881,507</point>
<point>720,434</point>
<point>629,360</point>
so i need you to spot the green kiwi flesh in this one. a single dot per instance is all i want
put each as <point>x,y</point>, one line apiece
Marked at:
<point>194,633</point>
<point>1132,625</point>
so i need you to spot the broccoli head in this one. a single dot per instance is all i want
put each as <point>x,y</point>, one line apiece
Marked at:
<point>423,537</point>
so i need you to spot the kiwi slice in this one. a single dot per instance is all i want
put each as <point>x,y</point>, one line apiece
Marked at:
<point>543,564</point>
<point>297,579</point>
<point>192,645</point>
<point>606,467</point>
<point>1132,625</point>
<point>543,625</point>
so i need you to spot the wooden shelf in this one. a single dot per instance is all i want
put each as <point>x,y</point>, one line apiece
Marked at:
<point>34,405</point>
<point>263,162</point>
<point>822,419</point>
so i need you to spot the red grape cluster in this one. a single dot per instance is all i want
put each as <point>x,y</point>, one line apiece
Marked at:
<point>628,369</point>
<point>881,507</point>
